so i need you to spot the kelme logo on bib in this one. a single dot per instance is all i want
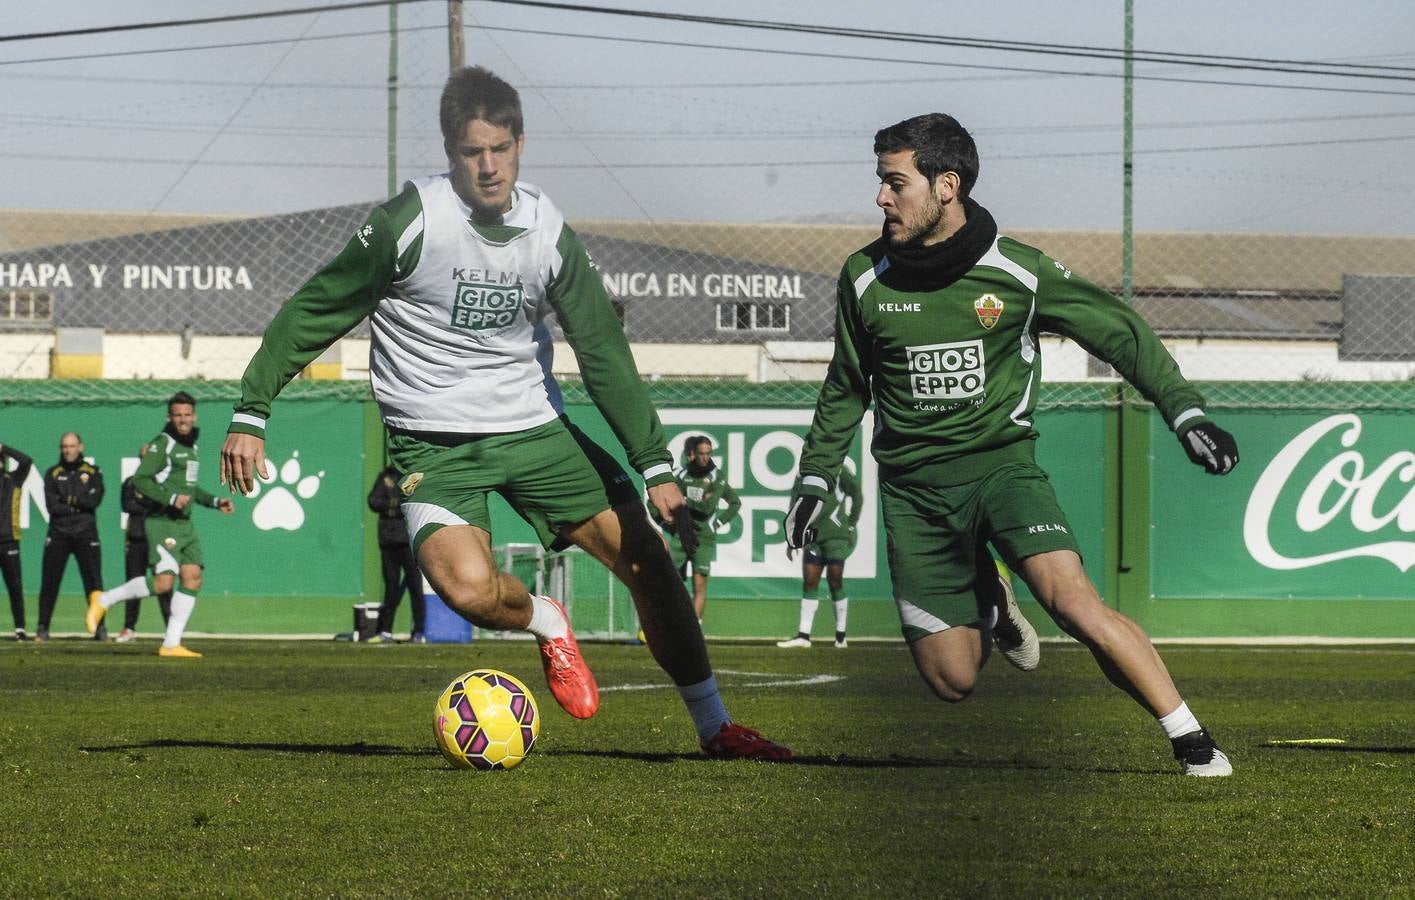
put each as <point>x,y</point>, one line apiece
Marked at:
<point>989,310</point>
<point>479,306</point>
<point>946,371</point>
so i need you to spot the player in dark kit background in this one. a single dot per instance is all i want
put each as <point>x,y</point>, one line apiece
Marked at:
<point>11,496</point>
<point>400,568</point>
<point>73,489</point>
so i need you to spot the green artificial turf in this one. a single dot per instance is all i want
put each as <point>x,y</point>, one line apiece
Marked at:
<point>309,769</point>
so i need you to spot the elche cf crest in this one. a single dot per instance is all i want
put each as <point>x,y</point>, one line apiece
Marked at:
<point>989,310</point>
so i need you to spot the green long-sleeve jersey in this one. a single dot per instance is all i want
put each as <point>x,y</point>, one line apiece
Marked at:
<point>954,373</point>
<point>706,494</point>
<point>169,468</point>
<point>457,309</point>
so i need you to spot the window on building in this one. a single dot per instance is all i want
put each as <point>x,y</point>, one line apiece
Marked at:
<point>746,316</point>
<point>26,306</point>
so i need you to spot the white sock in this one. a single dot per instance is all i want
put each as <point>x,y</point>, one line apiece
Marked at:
<point>136,589</point>
<point>546,621</point>
<point>705,706</point>
<point>842,606</point>
<point>182,606</point>
<point>1180,722</point>
<point>808,613</point>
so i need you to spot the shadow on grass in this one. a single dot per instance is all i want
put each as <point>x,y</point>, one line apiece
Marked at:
<point>1339,748</point>
<point>864,762</point>
<point>355,749</point>
<point>840,762</point>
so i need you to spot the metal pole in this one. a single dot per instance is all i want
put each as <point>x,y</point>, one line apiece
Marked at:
<point>1127,228</point>
<point>392,99</point>
<point>456,53</point>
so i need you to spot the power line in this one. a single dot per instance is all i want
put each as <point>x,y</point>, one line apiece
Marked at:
<point>863,160</point>
<point>1258,64</point>
<point>1076,50</point>
<point>208,20</point>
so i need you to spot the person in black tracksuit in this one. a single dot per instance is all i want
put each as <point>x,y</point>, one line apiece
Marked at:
<point>11,496</point>
<point>138,509</point>
<point>72,491</point>
<point>399,566</point>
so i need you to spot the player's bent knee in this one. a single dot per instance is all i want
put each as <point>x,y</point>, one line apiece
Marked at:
<point>473,597</point>
<point>949,690</point>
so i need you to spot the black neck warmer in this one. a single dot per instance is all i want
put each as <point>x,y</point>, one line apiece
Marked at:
<point>698,471</point>
<point>939,265</point>
<point>188,441</point>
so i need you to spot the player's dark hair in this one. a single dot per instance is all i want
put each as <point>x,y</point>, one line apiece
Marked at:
<point>693,441</point>
<point>477,93</point>
<point>939,144</point>
<point>181,397</point>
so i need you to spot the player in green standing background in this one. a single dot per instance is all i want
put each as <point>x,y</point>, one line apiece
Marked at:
<point>168,477</point>
<point>837,532</point>
<point>705,491</point>
<point>938,323</point>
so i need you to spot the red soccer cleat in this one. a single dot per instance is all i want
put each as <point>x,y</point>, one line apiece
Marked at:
<point>740,742</point>
<point>570,680</point>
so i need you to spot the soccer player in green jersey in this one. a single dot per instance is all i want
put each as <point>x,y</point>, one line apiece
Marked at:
<point>712,503</point>
<point>937,322</point>
<point>167,476</point>
<point>837,530</point>
<point>457,275</point>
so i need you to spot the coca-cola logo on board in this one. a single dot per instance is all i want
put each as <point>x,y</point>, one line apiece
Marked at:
<point>1348,497</point>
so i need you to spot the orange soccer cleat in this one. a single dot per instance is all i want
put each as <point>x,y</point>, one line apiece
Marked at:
<point>571,682</point>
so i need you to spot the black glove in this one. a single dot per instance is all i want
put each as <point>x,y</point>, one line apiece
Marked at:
<point>687,529</point>
<point>800,520</point>
<point>1211,447</point>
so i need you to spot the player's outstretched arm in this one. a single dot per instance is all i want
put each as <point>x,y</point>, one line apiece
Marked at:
<point>242,458</point>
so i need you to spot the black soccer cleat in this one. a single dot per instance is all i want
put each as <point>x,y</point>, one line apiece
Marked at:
<point>1198,755</point>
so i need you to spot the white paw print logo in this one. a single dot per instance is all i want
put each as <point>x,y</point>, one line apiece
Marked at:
<point>279,507</point>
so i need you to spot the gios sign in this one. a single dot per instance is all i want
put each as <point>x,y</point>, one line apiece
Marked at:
<point>759,450</point>
<point>1321,507</point>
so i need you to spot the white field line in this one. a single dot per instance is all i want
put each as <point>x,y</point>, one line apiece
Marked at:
<point>774,682</point>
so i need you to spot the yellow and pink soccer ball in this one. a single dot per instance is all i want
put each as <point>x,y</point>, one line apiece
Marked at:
<point>486,719</point>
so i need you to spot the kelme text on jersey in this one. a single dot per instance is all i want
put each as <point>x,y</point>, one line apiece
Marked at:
<point>946,371</point>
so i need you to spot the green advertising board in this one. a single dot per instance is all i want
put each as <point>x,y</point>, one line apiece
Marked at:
<point>759,448</point>
<point>298,535</point>
<point>1322,507</point>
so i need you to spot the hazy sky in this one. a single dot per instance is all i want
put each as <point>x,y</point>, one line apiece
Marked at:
<point>640,119</point>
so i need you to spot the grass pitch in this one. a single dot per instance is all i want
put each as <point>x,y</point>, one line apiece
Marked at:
<point>309,769</point>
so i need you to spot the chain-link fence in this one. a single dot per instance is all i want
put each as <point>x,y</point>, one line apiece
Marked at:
<point>719,184</point>
<point>599,605</point>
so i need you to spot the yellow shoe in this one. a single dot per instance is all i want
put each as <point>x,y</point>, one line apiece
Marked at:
<point>178,652</point>
<point>94,616</point>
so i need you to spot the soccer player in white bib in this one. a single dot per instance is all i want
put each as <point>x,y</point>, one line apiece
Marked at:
<point>457,275</point>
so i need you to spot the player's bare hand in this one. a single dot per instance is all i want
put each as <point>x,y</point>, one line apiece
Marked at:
<point>242,459</point>
<point>225,505</point>
<point>182,501</point>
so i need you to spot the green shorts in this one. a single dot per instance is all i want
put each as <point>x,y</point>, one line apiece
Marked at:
<point>552,475</point>
<point>705,556</point>
<point>171,544</point>
<point>832,546</point>
<point>939,562</point>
